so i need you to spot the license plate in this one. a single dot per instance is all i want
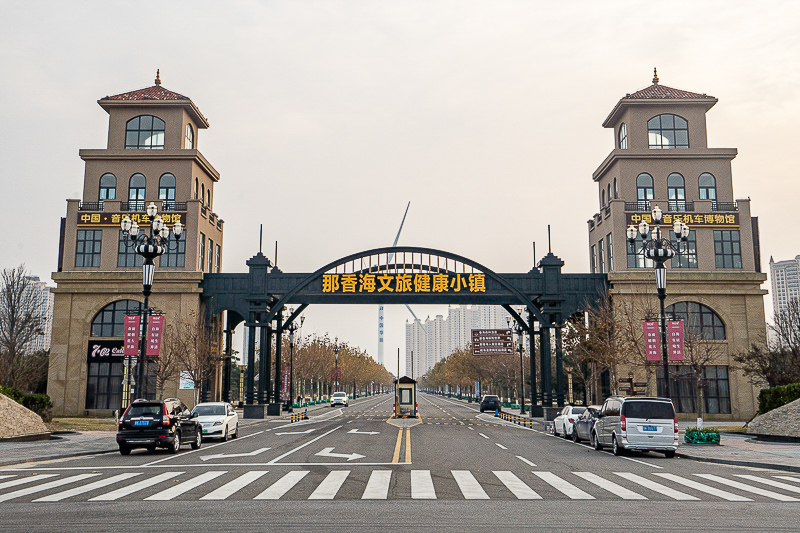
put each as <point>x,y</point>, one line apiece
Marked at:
<point>141,423</point>
<point>205,431</point>
<point>649,428</point>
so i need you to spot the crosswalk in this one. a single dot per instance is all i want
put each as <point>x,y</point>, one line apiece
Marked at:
<point>383,484</point>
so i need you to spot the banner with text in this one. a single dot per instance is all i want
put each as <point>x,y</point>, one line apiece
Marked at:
<point>155,328</point>
<point>652,340</point>
<point>675,339</point>
<point>131,324</point>
<point>492,342</point>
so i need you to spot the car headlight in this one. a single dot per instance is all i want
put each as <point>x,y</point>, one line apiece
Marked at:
<point>218,423</point>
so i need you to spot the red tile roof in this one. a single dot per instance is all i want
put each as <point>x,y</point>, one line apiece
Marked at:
<point>658,92</point>
<point>156,92</point>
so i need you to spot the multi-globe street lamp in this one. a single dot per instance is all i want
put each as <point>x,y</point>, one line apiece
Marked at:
<point>660,249</point>
<point>512,324</point>
<point>148,246</point>
<point>292,328</point>
<point>336,348</point>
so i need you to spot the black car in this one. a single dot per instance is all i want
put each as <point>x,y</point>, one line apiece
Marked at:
<point>490,403</point>
<point>158,423</point>
<point>582,427</point>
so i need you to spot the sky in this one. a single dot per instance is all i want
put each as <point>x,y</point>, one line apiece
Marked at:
<point>327,117</point>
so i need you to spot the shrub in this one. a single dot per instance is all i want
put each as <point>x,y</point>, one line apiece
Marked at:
<point>38,403</point>
<point>701,436</point>
<point>774,397</point>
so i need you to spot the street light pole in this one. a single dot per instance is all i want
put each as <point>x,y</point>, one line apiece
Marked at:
<point>148,247</point>
<point>292,328</point>
<point>336,368</point>
<point>659,249</point>
<point>519,331</point>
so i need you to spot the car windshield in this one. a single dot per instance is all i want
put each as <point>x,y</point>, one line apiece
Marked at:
<point>145,410</point>
<point>640,409</point>
<point>339,394</point>
<point>578,410</point>
<point>490,398</point>
<point>209,410</point>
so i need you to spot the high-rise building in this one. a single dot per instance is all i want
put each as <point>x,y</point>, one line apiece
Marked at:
<point>785,281</point>
<point>42,295</point>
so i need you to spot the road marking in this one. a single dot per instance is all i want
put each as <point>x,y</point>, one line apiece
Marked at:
<point>789,478</point>
<point>295,432</point>
<point>328,452</point>
<point>471,428</point>
<point>408,445</point>
<point>396,456</point>
<point>610,486</point>
<point>657,487</point>
<point>563,486</point>
<point>290,452</point>
<point>231,487</point>
<point>227,455</point>
<point>749,488</point>
<point>517,487</point>
<point>525,461</point>
<point>469,486</point>
<point>773,483</point>
<point>725,495</point>
<point>422,485</point>
<point>5,477</point>
<point>63,495</point>
<point>136,487</point>
<point>186,486</point>
<point>330,485</point>
<point>357,432</point>
<point>23,480</point>
<point>282,486</point>
<point>378,485</point>
<point>44,486</point>
<point>482,435</point>
<point>500,446</point>
<point>642,462</point>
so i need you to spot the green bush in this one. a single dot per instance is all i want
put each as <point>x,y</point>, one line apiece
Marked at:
<point>701,436</point>
<point>774,397</point>
<point>38,403</point>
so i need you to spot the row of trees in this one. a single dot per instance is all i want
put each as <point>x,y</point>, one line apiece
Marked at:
<point>498,374</point>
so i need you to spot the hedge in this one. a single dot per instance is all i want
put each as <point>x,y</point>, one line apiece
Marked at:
<point>38,403</point>
<point>701,436</point>
<point>774,397</point>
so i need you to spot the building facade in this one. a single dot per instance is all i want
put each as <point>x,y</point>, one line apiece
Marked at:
<point>151,156</point>
<point>42,295</point>
<point>662,158</point>
<point>785,280</point>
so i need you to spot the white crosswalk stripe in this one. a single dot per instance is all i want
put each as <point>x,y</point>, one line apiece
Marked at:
<point>614,488</point>
<point>378,485</point>
<point>6,477</point>
<point>282,486</point>
<point>45,486</point>
<point>469,486</point>
<point>186,486</point>
<point>231,487</point>
<point>725,495</point>
<point>24,480</point>
<point>83,489</point>
<point>330,485</point>
<point>771,482</point>
<point>517,487</point>
<point>563,486</point>
<point>789,478</point>
<point>422,485</point>
<point>749,488</point>
<point>136,487</point>
<point>657,487</point>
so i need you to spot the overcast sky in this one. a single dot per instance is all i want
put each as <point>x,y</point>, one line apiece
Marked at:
<point>328,117</point>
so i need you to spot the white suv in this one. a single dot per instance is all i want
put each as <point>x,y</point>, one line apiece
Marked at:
<point>339,398</point>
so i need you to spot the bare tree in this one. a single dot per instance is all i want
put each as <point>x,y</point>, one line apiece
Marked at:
<point>776,362</point>
<point>193,343</point>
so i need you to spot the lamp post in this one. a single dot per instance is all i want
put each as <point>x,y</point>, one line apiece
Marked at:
<point>660,249</point>
<point>519,331</point>
<point>292,328</point>
<point>336,368</point>
<point>148,247</point>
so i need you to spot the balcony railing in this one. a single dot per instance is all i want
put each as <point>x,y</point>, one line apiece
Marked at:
<point>641,205</point>
<point>170,205</point>
<point>680,205</point>
<point>724,206</point>
<point>133,205</point>
<point>91,206</point>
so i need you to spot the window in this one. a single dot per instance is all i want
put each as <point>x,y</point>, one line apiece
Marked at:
<point>635,259</point>
<point>210,256</point>
<point>202,263</point>
<point>668,131</point>
<point>126,256</point>
<point>137,187</point>
<point>623,136</point>
<point>202,192</point>
<point>594,259</point>
<point>175,254</point>
<point>217,259</point>
<point>699,320</point>
<point>144,132</point>
<point>708,188</point>
<point>727,249</point>
<point>602,198</point>
<point>110,320</point>
<point>108,188</point>
<point>87,249</point>
<point>676,192</point>
<point>166,191</point>
<point>189,141</point>
<point>104,385</point>
<point>609,194</point>
<point>208,197</point>
<point>714,380</point>
<point>644,191</point>
<point>196,185</point>
<point>602,256</point>
<point>610,253</point>
<point>616,190</point>
<point>688,259</point>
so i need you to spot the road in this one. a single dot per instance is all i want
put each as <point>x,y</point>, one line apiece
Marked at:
<point>349,468</point>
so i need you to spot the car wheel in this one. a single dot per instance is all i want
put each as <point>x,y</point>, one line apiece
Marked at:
<point>151,448</point>
<point>236,433</point>
<point>566,435</point>
<point>198,438</point>
<point>615,447</point>
<point>124,450</point>
<point>575,437</point>
<point>669,454</point>
<point>176,443</point>
<point>481,410</point>
<point>596,442</point>
<point>225,435</point>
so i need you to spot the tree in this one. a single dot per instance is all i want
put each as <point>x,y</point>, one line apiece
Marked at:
<point>20,324</point>
<point>193,344</point>
<point>776,362</point>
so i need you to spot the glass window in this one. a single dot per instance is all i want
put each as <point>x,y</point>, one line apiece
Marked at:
<point>196,185</point>
<point>714,380</point>
<point>144,132</point>
<point>126,256</point>
<point>104,385</point>
<point>635,259</point>
<point>88,247</point>
<point>166,191</point>
<point>668,131</point>
<point>210,256</point>
<point>202,192</point>
<point>727,249</point>
<point>676,192</point>
<point>699,320</point>
<point>601,256</point>
<point>137,186</point>
<point>594,259</point>
<point>609,194</point>
<point>623,136</point>
<point>174,254</point>
<point>217,259</point>
<point>208,197</point>
<point>616,191</point>
<point>202,263</point>
<point>189,142</point>
<point>108,187</point>
<point>610,246</point>
<point>603,198</point>
<point>648,410</point>
<point>689,258</point>
<point>644,191</point>
<point>708,187</point>
<point>110,320</point>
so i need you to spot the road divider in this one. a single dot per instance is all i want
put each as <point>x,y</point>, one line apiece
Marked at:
<point>519,420</point>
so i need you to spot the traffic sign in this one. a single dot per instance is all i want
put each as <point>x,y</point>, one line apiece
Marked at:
<point>492,342</point>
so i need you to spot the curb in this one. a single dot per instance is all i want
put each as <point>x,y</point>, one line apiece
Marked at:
<point>60,456</point>
<point>754,464</point>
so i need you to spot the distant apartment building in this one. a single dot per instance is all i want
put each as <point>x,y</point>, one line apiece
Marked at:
<point>42,296</point>
<point>785,281</point>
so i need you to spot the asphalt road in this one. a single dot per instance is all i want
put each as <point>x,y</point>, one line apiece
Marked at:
<point>353,468</point>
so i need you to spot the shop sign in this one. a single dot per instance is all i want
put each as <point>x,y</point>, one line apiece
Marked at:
<point>106,350</point>
<point>91,220</point>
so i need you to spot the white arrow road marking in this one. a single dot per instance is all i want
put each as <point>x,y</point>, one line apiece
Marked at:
<point>328,452</point>
<point>296,432</point>
<point>357,432</point>
<point>227,455</point>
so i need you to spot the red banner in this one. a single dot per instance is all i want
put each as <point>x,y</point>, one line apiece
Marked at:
<point>285,388</point>
<point>131,346</point>
<point>652,340</point>
<point>155,328</point>
<point>675,339</point>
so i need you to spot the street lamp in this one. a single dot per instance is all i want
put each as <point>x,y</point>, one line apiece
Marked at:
<point>336,368</point>
<point>148,247</point>
<point>512,324</point>
<point>660,249</point>
<point>292,328</point>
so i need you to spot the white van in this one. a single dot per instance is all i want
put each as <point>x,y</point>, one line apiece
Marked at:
<point>637,423</point>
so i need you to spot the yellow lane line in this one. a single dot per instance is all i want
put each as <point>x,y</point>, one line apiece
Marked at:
<point>396,456</point>
<point>408,445</point>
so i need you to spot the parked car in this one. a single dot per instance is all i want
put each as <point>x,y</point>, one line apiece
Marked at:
<point>582,428</point>
<point>218,420</point>
<point>637,423</point>
<point>158,423</point>
<point>490,402</point>
<point>562,424</point>
<point>339,398</point>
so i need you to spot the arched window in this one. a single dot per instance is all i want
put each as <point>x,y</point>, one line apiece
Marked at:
<point>208,197</point>
<point>110,321</point>
<point>708,188</point>
<point>603,198</point>
<point>136,191</point>
<point>609,194</point>
<point>616,191</point>
<point>196,185</point>
<point>144,132</point>
<point>202,192</point>
<point>668,131</point>
<point>189,141</point>
<point>700,321</point>
<point>166,191</point>
<point>676,192</point>
<point>623,136</point>
<point>108,187</point>
<point>644,191</point>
